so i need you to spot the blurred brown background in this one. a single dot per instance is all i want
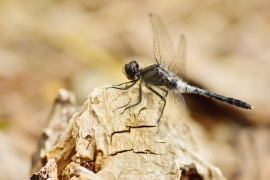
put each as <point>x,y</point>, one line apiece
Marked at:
<point>79,45</point>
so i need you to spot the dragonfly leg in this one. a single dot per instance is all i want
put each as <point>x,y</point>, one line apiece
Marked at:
<point>161,97</point>
<point>140,97</point>
<point>166,92</point>
<point>128,82</point>
<point>125,88</point>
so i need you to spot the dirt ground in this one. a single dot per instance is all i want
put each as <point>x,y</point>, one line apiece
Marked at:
<point>79,45</point>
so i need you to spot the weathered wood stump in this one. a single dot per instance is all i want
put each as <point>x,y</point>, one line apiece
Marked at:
<point>101,143</point>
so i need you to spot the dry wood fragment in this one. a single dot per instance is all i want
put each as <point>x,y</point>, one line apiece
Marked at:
<point>49,171</point>
<point>63,109</point>
<point>101,143</point>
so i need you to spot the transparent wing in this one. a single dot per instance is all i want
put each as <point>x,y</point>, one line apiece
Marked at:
<point>163,45</point>
<point>176,108</point>
<point>177,66</point>
<point>178,130</point>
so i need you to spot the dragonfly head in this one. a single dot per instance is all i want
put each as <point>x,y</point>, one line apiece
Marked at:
<point>131,70</point>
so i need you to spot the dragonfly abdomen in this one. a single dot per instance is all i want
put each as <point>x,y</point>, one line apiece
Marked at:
<point>228,100</point>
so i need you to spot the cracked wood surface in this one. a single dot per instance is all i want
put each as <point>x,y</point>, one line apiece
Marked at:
<point>100,139</point>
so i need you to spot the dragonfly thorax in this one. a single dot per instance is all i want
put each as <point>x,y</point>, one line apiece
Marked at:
<point>131,70</point>
<point>171,83</point>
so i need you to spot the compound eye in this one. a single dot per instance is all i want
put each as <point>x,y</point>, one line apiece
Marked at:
<point>131,70</point>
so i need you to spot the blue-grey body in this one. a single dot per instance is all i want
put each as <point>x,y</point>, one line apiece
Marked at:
<point>168,74</point>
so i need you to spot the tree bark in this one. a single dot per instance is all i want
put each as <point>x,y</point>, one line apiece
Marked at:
<point>101,143</point>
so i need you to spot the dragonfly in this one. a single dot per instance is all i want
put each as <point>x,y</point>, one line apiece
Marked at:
<point>168,75</point>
